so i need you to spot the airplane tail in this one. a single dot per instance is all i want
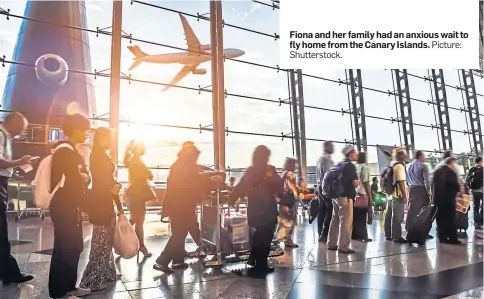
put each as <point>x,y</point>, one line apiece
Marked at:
<point>137,51</point>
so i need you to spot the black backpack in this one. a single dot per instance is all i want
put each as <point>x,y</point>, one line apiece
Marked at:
<point>474,178</point>
<point>386,180</point>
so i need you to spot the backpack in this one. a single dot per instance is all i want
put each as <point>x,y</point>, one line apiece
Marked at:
<point>474,178</point>
<point>41,184</point>
<point>333,181</point>
<point>386,180</point>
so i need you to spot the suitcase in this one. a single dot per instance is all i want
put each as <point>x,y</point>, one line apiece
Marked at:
<point>462,221</point>
<point>237,229</point>
<point>418,230</point>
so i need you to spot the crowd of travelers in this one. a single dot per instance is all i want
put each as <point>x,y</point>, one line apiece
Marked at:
<point>343,199</point>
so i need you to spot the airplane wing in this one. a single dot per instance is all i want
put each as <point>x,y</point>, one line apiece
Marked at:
<point>193,43</point>
<point>182,74</point>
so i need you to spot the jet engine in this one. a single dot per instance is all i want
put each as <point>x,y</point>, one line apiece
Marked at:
<point>51,68</point>
<point>199,71</point>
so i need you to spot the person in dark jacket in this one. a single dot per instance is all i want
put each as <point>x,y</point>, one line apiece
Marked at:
<point>105,190</point>
<point>139,190</point>
<point>261,184</point>
<point>65,209</point>
<point>445,186</point>
<point>185,187</point>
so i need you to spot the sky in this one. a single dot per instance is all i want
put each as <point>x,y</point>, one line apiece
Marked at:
<point>146,103</point>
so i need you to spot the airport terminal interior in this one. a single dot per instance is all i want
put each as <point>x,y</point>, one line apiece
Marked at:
<point>378,269</point>
<point>167,72</point>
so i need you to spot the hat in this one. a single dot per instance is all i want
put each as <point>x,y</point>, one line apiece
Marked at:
<point>348,149</point>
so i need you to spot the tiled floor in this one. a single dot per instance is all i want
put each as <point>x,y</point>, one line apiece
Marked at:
<point>379,269</point>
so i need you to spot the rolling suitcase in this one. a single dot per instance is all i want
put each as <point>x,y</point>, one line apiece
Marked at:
<point>419,230</point>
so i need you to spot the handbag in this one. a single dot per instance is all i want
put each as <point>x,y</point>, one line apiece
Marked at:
<point>287,199</point>
<point>141,193</point>
<point>361,201</point>
<point>125,241</point>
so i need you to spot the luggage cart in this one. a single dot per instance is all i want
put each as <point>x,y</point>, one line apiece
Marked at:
<point>29,210</point>
<point>210,226</point>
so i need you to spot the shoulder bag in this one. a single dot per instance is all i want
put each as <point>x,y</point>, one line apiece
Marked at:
<point>361,200</point>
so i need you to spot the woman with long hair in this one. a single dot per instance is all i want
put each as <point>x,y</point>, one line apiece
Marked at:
<point>360,214</point>
<point>105,190</point>
<point>262,185</point>
<point>138,191</point>
<point>288,216</point>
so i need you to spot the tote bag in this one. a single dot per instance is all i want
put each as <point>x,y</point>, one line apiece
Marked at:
<point>125,241</point>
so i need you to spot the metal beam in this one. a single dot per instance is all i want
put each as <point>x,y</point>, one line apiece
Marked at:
<point>302,126</point>
<point>358,108</point>
<point>442,108</point>
<point>115,77</point>
<point>473,110</point>
<point>405,110</point>
<point>215,108</point>
<point>295,121</point>
<point>221,85</point>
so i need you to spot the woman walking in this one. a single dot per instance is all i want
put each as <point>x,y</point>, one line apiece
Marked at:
<point>139,191</point>
<point>105,189</point>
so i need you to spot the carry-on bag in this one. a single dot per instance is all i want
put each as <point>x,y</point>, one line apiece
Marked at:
<point>419,229</point>
<point>462,221</point>
<point>125,241</point>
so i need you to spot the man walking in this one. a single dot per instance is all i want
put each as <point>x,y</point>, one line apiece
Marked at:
<point>325,204</point>
<point>475,183</point>
<point>14,124</point>
<point>418,187</point>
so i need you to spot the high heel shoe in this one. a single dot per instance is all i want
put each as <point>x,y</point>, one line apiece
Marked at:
<point>145,252</point>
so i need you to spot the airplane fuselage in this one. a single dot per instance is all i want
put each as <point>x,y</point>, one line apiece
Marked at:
<point>187,58</point>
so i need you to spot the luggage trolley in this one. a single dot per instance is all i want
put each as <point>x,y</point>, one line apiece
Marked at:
<point>211,230</point>
<point>30,208</point>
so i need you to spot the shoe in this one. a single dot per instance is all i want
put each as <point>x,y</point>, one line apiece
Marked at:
<point>388,238</point>
<point>400,241</point>
<point>79,292</point>
<point>291,245</point>
<point>21,279</point>
<point>179,266</point>
<point>429,237</point>
<point>347,251</point>
<point>367,240</point>
<point>333,248</point>
<point>145,252</point>
<point>163,268</point>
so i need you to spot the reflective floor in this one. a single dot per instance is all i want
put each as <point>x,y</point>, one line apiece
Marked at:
<point>379,269</point>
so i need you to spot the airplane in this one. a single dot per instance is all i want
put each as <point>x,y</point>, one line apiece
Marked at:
<point>196,54</point>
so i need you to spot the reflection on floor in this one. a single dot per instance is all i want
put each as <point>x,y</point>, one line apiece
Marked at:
<point>379,269</point>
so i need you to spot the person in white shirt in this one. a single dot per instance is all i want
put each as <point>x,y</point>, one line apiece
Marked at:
<point>14,124</point>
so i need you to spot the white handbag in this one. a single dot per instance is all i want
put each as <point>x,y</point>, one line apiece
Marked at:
<point>125,241</point>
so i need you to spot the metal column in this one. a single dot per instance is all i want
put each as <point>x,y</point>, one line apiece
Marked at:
<point>358,108</point>
<point>442,108</point>
<point>473,110</point>
<point>295,121</point>
<point>302,126</point>
<point>115,77</point>
<point>405,110</point>
<point>215,108</point>
<point>481,35</point>
<point>220,87</point>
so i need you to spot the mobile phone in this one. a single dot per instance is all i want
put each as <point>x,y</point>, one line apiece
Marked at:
<point>34,158</point>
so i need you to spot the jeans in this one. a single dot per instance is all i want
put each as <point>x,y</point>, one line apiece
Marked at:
<point>394,218</point>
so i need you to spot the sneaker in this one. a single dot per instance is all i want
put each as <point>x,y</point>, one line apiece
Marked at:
<point>79,292</point>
